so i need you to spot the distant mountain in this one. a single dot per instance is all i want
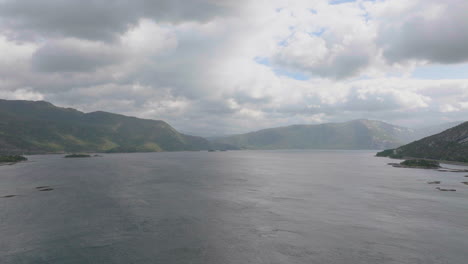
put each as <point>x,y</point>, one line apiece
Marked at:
<point>356,134</point>
<point>450,145</point>
<point>40,127</point>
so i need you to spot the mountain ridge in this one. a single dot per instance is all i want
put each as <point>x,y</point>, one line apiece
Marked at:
<point>355,134</point>
<point>368,134</point>
<point>449,145</point>
<point>41,127</point>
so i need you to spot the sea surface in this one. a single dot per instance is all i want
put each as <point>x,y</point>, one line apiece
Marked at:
<point>230,207</point>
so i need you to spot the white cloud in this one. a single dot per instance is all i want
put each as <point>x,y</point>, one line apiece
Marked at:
<point>15,56</point>
<point>21,94</point>
<point>148,39</point>
<point>229,69</point>
<point>446,108</point>
<point>427,31</point>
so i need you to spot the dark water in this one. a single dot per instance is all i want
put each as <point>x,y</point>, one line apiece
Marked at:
<point>230,207</point>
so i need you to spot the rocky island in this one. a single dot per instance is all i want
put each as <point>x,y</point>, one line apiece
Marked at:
<point>421,163</point>
<point>12,158</point>
<point>417,163</point>
<point>446,190</point>
<point>74,155</point>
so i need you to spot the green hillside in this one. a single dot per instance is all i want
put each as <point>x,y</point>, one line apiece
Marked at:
<point>450,145</point>
<point>40,127</point>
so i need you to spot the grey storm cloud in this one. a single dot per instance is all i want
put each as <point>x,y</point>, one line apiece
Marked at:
<point>439,39</point>
<point>187,72</point>
<point>69,57</point>
<point>99,19</point>
<point>341,67</point>
<point>244,98</point>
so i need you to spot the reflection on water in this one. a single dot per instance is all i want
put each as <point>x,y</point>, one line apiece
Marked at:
<point>230,207</point>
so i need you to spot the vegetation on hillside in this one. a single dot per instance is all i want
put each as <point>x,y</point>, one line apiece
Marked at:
<point>389,153</point>
<point>40,127</point>
<point>450,145</point>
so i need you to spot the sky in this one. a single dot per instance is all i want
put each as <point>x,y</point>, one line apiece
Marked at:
<point>216,67</point>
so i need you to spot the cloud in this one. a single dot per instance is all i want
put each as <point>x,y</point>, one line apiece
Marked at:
<point>16,56</point>
<point>99,20</point>
<point>332,41</point>
<point>148,39</point>
<point>217,67</point>
<point>311,55</point>
<point>431,31</point>
<point>76,55</point>
<point>71,55</point>
<point>21,94</point>
<point>385,99</point>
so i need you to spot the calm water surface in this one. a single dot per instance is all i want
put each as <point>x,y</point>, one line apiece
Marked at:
<point>230,207</point>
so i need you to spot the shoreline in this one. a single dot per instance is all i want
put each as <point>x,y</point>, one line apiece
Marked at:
<point>459,163</point>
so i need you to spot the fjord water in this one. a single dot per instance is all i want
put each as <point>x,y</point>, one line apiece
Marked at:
<point>230,207</point>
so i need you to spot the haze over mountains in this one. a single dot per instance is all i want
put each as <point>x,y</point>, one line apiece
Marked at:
<point>40,127</point>
<point>356,134</point>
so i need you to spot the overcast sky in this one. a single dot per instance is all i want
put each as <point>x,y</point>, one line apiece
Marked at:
<point>212,67</point>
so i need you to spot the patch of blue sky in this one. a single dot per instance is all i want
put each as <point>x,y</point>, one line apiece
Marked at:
<point>283,43</point>
<point>337,2</point>
<point>263,61</point>
<point>291,74</point>
<point>366,16</point>
<point>318,33</point>
<point>280,71</point>
<point>437,72</point>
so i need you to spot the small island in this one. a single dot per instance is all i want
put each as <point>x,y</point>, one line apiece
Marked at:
<point>12,158</point>
<point>75,155</point>
<point>421,163</point>
<point>433,182</point>
<point>417,163</point>
<point>445,190</point>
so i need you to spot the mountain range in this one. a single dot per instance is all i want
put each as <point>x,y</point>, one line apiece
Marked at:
<point>35,127</point>
<point>356,134</point>
<point>40,127</point>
